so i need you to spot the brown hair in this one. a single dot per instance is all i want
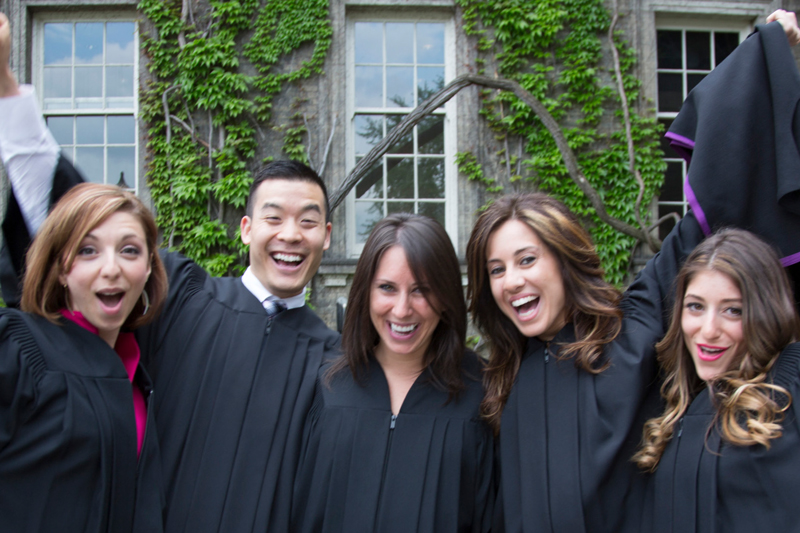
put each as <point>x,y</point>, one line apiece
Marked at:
<point>434,264</point>
<point>747,409</point>
<point>591,303</point>
<point>53,251</point>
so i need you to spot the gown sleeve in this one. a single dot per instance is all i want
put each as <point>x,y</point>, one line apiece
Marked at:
<point>743,145</point>
<point>17,391</point>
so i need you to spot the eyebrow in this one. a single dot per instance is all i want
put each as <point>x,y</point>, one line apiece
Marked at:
<point>308,207</point>
<point>531,248</point>
<point>726,300</point>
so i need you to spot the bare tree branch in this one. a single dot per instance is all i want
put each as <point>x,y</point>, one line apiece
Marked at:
<point>438,99</point>
<point>623,98</point>
<point>321,169</point>
<point>188,128</point>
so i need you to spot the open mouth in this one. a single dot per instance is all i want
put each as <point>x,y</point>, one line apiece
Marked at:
<point>110,300</point>
<point>287,260</point>
<point>403,330</point>
<point>526,306</point>
<point>709,353</point>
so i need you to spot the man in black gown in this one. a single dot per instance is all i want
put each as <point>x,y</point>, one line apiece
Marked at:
<point>233,383</point>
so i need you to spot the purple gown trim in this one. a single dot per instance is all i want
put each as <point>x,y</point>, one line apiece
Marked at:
<point>683,146</point>
<point>699,214</point>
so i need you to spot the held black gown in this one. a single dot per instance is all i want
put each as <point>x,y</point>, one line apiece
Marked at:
<point>705,485</point>
<point>429,469</point>
<point>68,434</point>
<point>567,436</point>
<point>233,400</point>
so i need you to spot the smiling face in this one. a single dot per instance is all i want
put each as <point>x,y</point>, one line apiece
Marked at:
<point>402,316</point>
<point>287,234</point>
<point>526,280</point>
<point>711,321</point>
<point>109,273</point>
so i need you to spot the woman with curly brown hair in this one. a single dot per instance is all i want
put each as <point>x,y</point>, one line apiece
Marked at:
<point>724,451</point>
<point>571,360</point>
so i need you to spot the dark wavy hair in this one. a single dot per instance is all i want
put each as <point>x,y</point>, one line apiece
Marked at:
<point>591,303</point>
<point>749,409</point>
<point>434,265</point>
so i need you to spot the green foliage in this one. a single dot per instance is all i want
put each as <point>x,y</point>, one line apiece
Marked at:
<point>199,67</point>
<point>554,49</point>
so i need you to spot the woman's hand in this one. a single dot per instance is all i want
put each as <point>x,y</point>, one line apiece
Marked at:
<point>8,83</point>
<point>788,20</point>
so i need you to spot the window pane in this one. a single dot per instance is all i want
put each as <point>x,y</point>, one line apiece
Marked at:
<point>119,42</point>
<point>672,189</point>
<point>724,44</point>
<point>119,81</point>
<point>670,91</point>
<point>368,132</point>
<point>429,81</point>
<point>692,80</point>
<point>698,50</point>
<point>58,44</point>
<point>665,209</point>
<point>430,135</point>
<point>57,82</point>
<point>399,178</point>
<point>669,49</point>
<point>433,210</point>
<point>405,145</point>
<point>369,87</point>
<point>399,207</point>
<point>89,130</point>
<point>369,42</point>
<point>400,42</point>
<point>61,128</point>
<point>121,166</point>
<point>430,43</point>
<point>371,185</point>
<point>121,129</point>
<point>431,177</point>
<point>367,215</point>
<point>89,43</point>
<point>90,162</point>
<point>88,82</point>
<point>400,86</point>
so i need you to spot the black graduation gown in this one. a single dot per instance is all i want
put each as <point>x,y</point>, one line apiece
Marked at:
<point>706,485</point>
<point>567,436</point>
<point>15,232</point>
<point>429,469</point>
<point>740,131</point>
<point>233,400</point>
<point>68,434</point>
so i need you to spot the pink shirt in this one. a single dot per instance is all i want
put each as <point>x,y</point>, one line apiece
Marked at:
<point>128,350</point>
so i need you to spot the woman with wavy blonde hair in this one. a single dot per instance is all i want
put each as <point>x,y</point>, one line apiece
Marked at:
<point>724,451</point>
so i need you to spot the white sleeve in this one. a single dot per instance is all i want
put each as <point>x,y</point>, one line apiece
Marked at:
<point>29,153</point>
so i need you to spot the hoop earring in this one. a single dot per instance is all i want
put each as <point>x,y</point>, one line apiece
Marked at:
<point>146,302</point>
<point>67,299</point>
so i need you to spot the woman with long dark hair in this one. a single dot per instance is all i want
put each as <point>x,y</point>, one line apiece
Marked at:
<point>394,440</point>
<point>724,450</point>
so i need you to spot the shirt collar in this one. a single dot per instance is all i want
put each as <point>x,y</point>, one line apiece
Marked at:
<point>258,290</point>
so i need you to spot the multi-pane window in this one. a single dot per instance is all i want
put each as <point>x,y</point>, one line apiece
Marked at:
<point>396,65</point>
<point>685,57</point>
<point>87,83</point>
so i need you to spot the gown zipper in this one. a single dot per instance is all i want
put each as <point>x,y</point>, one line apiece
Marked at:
<point>392,423</point>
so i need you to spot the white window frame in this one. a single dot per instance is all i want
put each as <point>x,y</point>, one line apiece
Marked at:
<point>450,144</point>
<point>37,72</point>
<point>677,23</point>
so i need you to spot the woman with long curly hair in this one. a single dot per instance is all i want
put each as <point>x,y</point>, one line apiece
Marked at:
<point>724,451</point>
<point>570,364</point>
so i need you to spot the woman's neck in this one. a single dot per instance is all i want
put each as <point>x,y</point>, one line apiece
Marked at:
<point>401,372</point>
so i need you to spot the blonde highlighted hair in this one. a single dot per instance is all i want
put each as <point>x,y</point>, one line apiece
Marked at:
<point>53,251</point>
<point>749,409</point>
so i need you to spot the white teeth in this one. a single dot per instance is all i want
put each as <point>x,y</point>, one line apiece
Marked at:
<point>288,258</point>
<point>403,329</point>
<point>523,301</point>
<point>712,350</point>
